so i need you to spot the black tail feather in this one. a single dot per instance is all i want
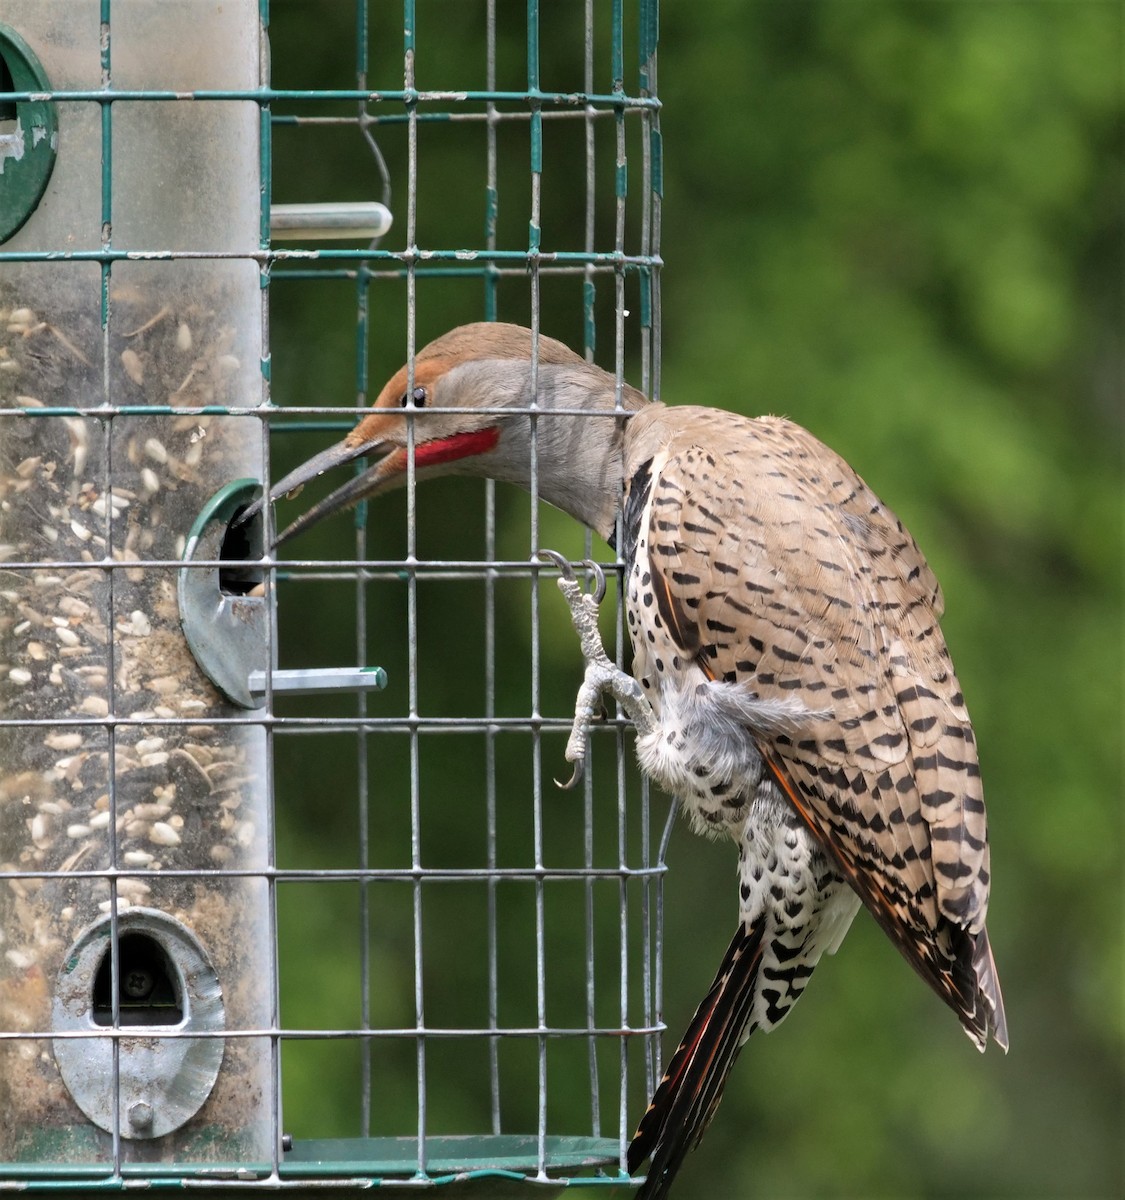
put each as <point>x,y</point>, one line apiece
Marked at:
<point>685,1101</point>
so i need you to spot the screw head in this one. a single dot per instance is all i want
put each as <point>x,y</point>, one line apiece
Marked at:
<point>137,983</point>
<point>140,1115</point>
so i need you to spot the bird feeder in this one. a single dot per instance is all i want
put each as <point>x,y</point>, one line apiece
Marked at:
<point>159,1023</point>
<point>133,914</point>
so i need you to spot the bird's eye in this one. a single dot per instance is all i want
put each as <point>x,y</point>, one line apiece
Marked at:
<point>418,396</point>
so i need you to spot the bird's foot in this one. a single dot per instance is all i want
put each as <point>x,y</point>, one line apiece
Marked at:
<point>602,675</point>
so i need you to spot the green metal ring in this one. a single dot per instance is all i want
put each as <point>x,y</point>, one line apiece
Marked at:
<point>29,144</point>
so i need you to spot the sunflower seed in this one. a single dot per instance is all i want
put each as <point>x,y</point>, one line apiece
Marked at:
<point>162,834</point>
<point>134,368</point>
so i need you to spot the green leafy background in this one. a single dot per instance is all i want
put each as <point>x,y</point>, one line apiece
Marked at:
<point>900,224</point>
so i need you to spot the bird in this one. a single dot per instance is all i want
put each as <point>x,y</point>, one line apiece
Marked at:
<point>791,687</point>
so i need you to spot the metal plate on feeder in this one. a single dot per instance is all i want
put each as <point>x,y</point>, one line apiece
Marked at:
<point>164,981</point>
<point>225,626</point>
<point>224,612</point>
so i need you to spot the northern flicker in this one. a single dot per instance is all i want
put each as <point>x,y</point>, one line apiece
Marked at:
<point>791,687</point>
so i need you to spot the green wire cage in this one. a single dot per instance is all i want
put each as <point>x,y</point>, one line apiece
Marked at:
<point>289,901</point>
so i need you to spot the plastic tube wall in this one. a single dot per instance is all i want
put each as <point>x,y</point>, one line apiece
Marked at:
<point>134,823</point>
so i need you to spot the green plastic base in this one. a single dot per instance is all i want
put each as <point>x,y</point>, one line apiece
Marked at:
<point>480,1166</point>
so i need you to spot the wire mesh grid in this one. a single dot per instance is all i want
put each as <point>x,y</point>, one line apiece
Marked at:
<point>413,937</point>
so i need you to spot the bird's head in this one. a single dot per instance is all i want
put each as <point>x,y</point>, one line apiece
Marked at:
<point>466,408</point>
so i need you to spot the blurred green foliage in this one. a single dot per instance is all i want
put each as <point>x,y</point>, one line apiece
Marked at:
<point>899,223</point>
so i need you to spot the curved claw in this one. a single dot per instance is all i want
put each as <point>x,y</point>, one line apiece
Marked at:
<point>563,564</point>
<point>575,778</point>
<point>599,580</point>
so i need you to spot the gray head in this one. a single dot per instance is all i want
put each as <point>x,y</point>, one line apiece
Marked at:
<point>468,403</point>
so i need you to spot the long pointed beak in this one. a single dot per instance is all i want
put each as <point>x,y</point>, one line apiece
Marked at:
<point>391,464</point>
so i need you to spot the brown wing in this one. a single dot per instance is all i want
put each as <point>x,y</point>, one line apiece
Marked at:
<point>799,584</point>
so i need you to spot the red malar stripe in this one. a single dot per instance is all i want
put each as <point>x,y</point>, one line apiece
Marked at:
<point>457,445</point>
